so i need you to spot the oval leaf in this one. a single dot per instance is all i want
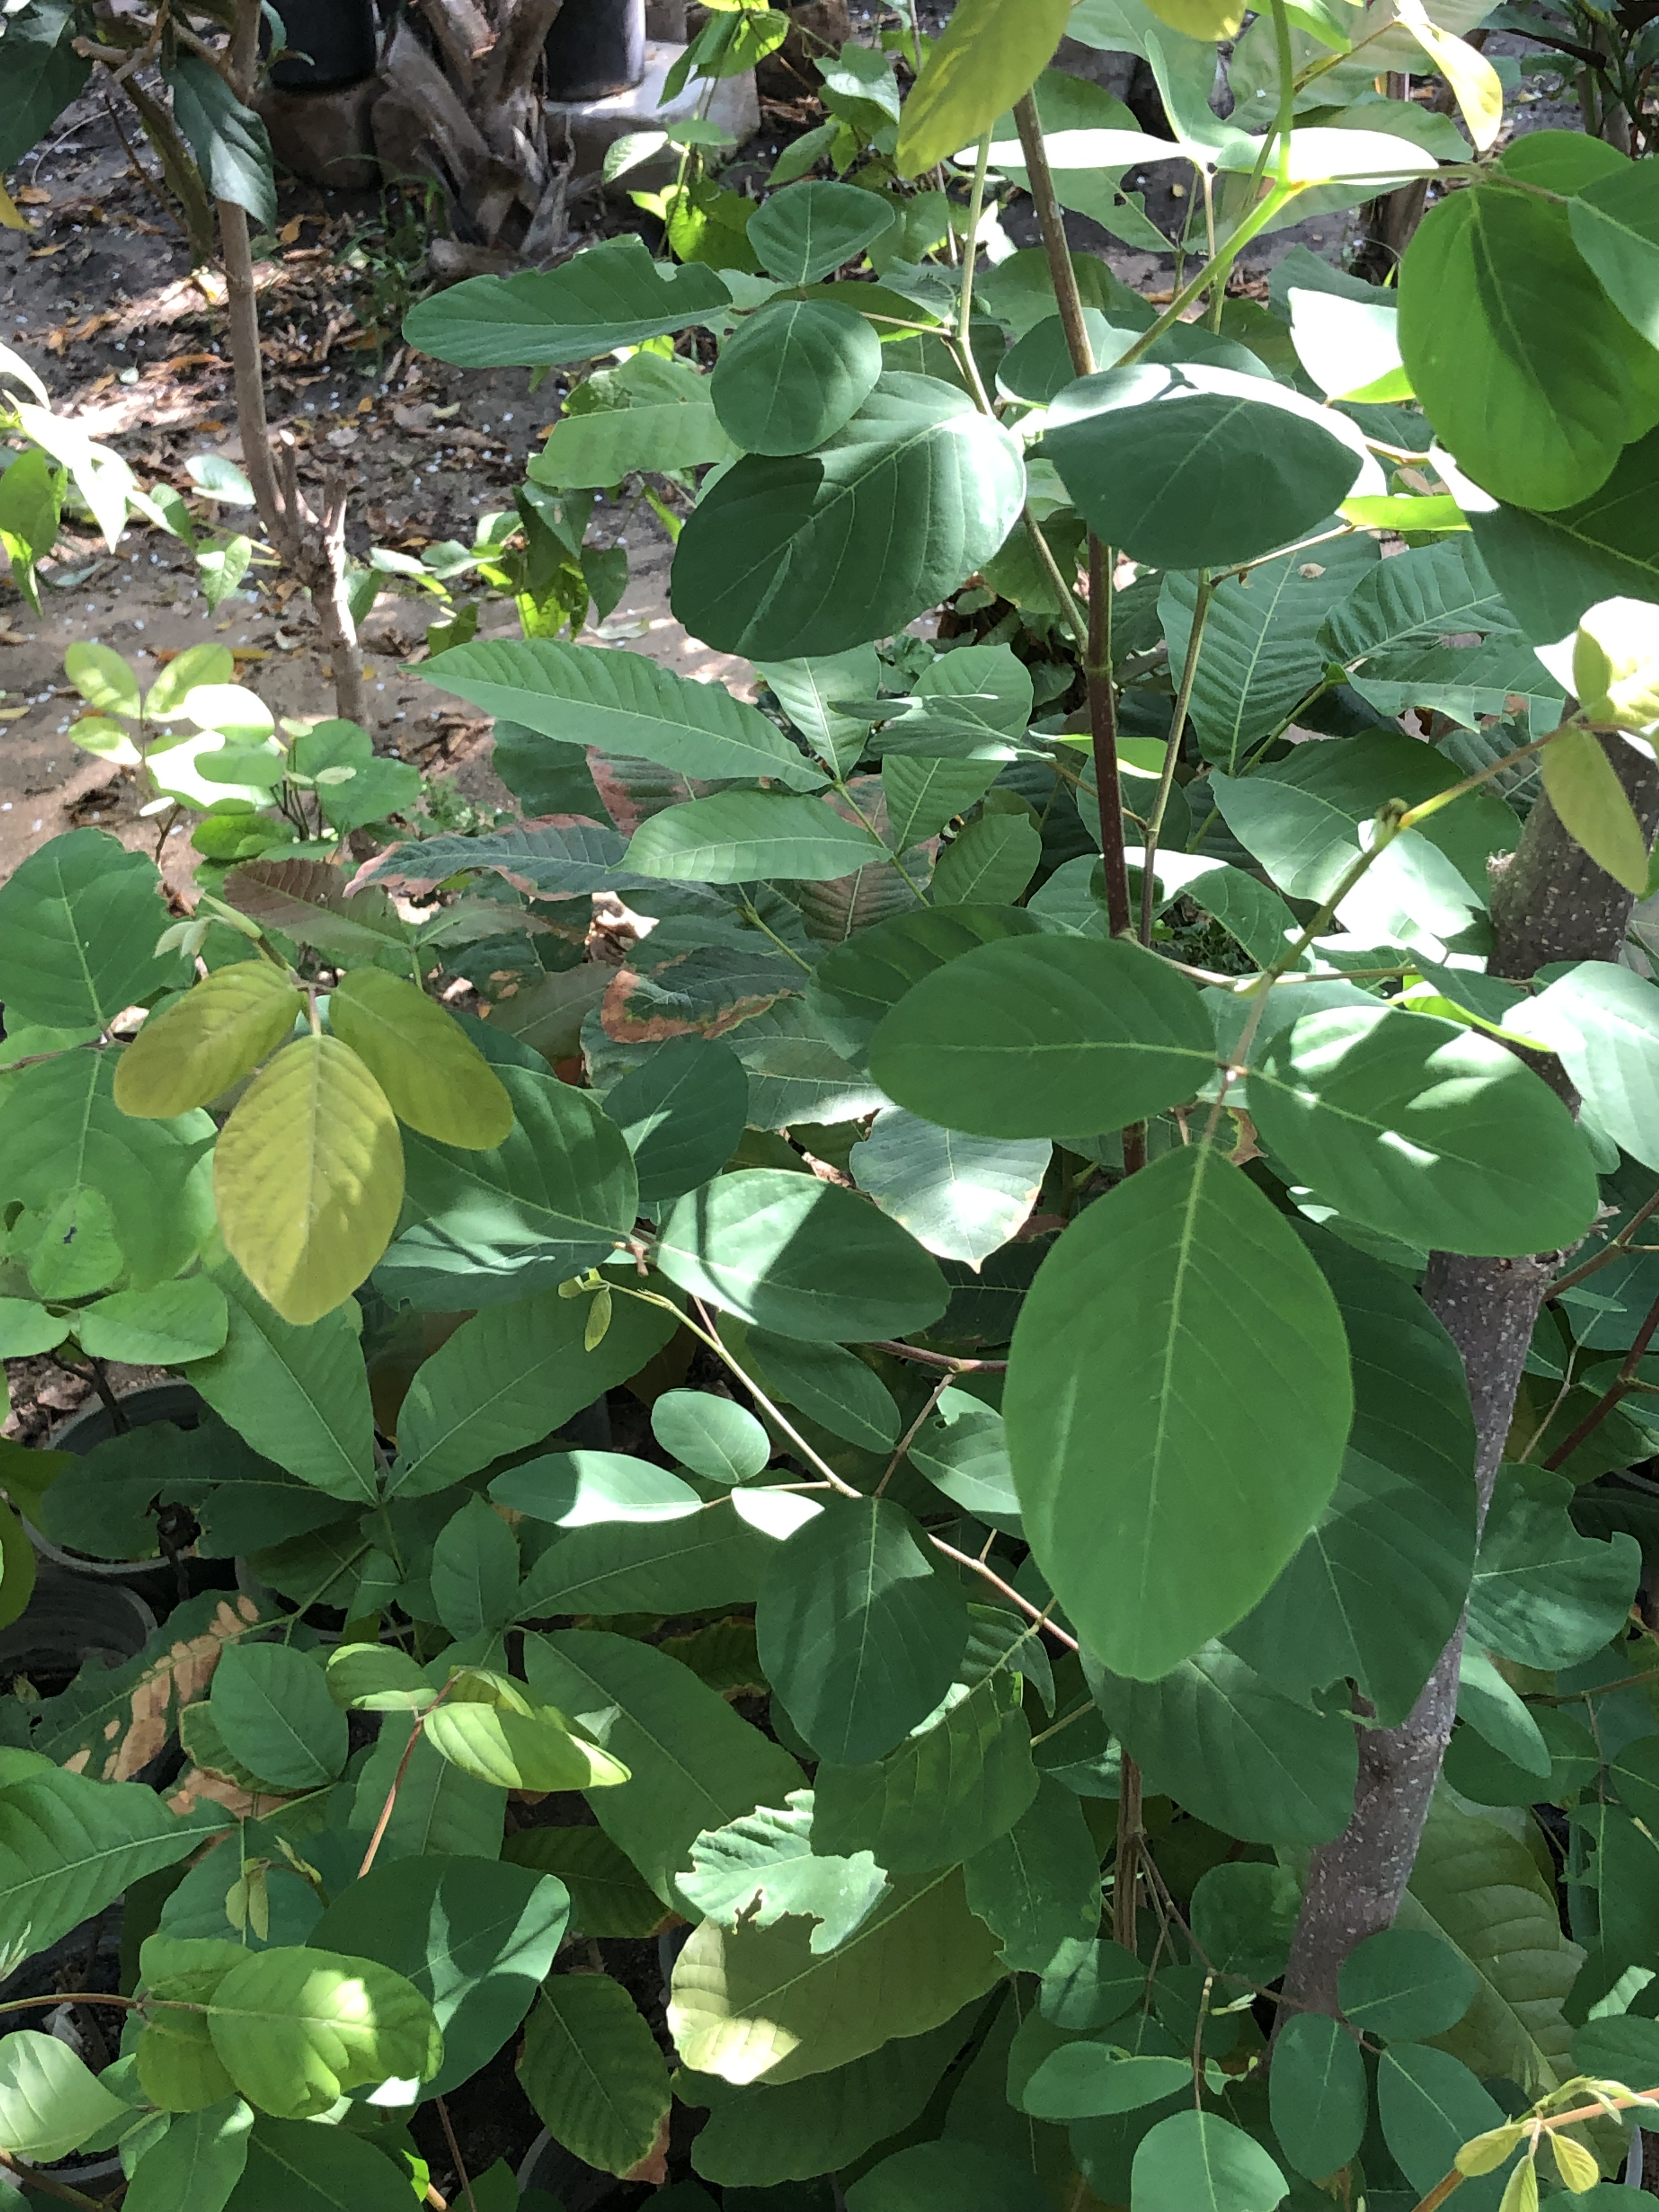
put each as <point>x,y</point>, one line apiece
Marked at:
<point>198,1046</point>
<point>435,1076</point>
<point>789,378</point>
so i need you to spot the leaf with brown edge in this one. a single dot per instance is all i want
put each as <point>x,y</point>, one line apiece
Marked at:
<point>704,991</point>
<point>312,901</point>
<point>192,1050</point>
<point>113,1726</point>
<point>308,1178</point>
<point>435,1076</point>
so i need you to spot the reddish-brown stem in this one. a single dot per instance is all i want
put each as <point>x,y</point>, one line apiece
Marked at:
<point>384,1820</point>
<point>1643,1214</point>
<point>1620,1387</point>
<point>462,2174</point>
<point>1006,1589</point>
<point>45,2184</point>
<point>938,1359</point>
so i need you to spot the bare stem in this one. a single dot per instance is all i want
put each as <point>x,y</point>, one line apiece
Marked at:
<point>1172,754</point>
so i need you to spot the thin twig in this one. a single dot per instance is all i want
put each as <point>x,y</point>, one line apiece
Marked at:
<point>1610,1250</point>
<point>912,1431</point>
<point>455,2152</point>
<point>1620,1387</point>
<point>1038,1614</point>
<point>940,1358</point>
<point>46,2184</point>
<point>1172,754</point>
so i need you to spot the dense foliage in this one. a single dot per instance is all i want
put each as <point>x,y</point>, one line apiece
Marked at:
<point>1072,1079</point>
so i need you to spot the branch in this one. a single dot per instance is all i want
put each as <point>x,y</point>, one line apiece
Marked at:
<point>1620,1387</point>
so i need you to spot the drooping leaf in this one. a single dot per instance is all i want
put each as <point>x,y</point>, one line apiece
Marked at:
<point>308,1178</point>
<point>44,75</point>
<point>799,1258</point>
<point>963,1449</point>
<point>794,557</point>
<point>624,704</point>
<point>229,142</point>
<point>832,1386</point>
<point>989,58</point>
<point>960,1197</point>
<point>1430,2105</point>
<point>475,1570</point>
<point>713,1436</point>
<point>948,2177</point>
<point>694,1764</point>
<point>607,1897</point>
<point>198,2162</point>
<point>923,795</point>
<point>658,416</point>
<point>1039,1037</point>
<point>1192,468</point>
<point>434,1075</point>
<point>771,1864</point>
<point>313,903</point>
<point>993,858</point>
<point>293,2167</point>
<point>578,1489</point>
<point>168,1327</point>
<point>1089,2081</point>
<point>439,1808</point>
<point>591,2068</point>
<point>757,2004</point>
<point>612,295</point>
<point>711,1557</point>
<point>859,1631</point>
<point>1418,1128</point>
<point>548,861</point>
<point>78,921</point>
<point>198,1046</point>
<point>1143,1428</point>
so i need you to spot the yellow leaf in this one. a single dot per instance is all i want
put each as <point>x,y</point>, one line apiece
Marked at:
<point>1471,78</point>
<point>308,1178</point>
<point>1591,800</point>
<point>990,54</point>
<point>437,1080</point>
<point>599,1319</point>
<point>1521,2194</point>
<point>198,1046</point>
<point>1487,2152</point>
<point>1576,2166</point>
<point>9,215</point>
<point>1615,664</point>
<point>1201,19</point>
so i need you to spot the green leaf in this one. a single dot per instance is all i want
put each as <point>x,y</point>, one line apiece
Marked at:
<point>49,2102</point>
<point>294,2028</point>
<point>44,73</point>
<point>795,373</point>
<point>1430,2106</point>
<point>78,924</point>
<point>859,1631</point>
<point>822,698</point>
<point>856,983</point>
<point>439,1809</point>
<point>1319,2096</point>
<point>1479,1889</point>
<point>475,1570</point>
<point>760,2137</point>
<point>228,140</point>
<point>799,1257</point>
<point>769,1865</point>
<point>308,901</point>
<point>272,1707</point>
<point>682,1111</point>
<point>1542,1593</point>
<point>1615,223</point>
<point>741,836</point>
<point>546,862</point>
<point>607,1897</point>
<point>553,1197</point>
<point>27,1329</point>
<point>1192,468</point>
<point>624,705</point>
<point>830,1386</point>
<point>435,1076</point>
<point>575,1490</point>
<point>1114,1032</point>
<point>1145,1428</point>
<point>658,416</point>
<point>710,1558</point>
<point>613,295</point>
<point>694,1764</point>
<point>791,558</point>
<point>591,2068</point>
<point>990,56</point>
<point>806,233</point>
<point>293,2167</point>
<point>1243,1919</point>
<point>993,858</point>
<point>1424,1130</point>
<point>952,1787</point>
<point>70,1846</point>
<point>1405,1985</point>
<point>1378,1586</point>
<point>508,1378</point>
<point>1262,652</point>
<point>1090,2080</point>
<point>514,1750</point>
<point>198,1046</point>
<point>960,1197</point>
<point>1195,2162</point>
<point>198,2162</point>
<point>300,1396</point>
<point>66,1149</point>
<point>716,1438</point>
<point>923,795</point>
<point>1224,1744</point>
<point>757,2003</point>
<point>1532,387</point>
<point>1038,1885</point>
<point>166,1327</point>
<point>963,1449</point>
<point>1552,568</point>
<point>1583,788</point>
<point>948,2177</point>
<point>1419,596</point>
<point>308,1178</point>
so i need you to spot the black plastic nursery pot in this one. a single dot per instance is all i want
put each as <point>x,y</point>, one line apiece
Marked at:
<point>153,1577</point>
<point>336,37</point>
<point>595,48</point>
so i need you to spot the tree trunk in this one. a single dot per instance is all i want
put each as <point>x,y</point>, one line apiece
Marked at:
<point>1550,902</point>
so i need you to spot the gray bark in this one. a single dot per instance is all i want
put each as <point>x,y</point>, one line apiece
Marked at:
<point>1550,902</point>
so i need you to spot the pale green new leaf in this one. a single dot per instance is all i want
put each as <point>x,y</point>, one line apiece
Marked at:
<point>960,1197</point>
<point>295,2028</point>
<point>771,1864</point>
<point>49,2101</point>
